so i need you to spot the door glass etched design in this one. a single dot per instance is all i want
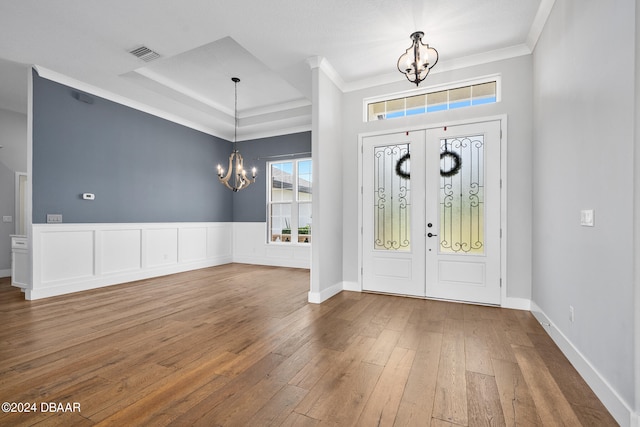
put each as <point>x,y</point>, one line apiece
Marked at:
<point>462,201</point>
<point>392,199</point>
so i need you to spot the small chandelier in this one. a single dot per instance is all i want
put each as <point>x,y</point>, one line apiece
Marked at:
<point>418,60</point>
<point>236,173</point>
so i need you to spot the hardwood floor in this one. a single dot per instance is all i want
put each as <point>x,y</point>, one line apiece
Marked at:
<point>238,345</point>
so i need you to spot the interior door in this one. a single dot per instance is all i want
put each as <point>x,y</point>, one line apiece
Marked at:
<point>393,242</point>
<point>463,213</point>
<point>431,213</point>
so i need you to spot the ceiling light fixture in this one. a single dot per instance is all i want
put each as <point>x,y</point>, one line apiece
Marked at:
<point>418,59</point>
<point>236,163</point>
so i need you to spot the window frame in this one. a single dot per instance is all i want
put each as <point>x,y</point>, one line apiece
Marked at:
<point>497,78</point>
<point>295,201</point>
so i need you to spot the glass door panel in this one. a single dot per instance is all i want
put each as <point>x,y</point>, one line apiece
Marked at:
<point>462,195</point>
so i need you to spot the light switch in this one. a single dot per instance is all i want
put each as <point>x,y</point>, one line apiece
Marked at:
<point>7,218</point>
<point>587,218</point>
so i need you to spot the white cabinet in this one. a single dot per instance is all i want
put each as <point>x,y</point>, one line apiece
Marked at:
<point>19,261</point>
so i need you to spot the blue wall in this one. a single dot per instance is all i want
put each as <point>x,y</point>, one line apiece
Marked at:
<point>140,167</point>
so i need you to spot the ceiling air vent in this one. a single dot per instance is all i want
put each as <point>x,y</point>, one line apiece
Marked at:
<point>145,53</point>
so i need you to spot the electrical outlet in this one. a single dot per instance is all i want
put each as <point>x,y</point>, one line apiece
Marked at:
<point>587,218</point>
<point>54,218</point>
<point>571,313</point>
<point>7,218</point>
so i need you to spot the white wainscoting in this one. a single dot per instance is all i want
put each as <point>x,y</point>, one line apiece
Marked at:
<point>75,257</point>
<point>250,246</point>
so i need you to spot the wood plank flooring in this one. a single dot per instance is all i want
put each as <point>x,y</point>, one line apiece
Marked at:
<point>238,345</point>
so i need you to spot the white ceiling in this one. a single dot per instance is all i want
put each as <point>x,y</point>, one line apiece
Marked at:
<point>203,43</point>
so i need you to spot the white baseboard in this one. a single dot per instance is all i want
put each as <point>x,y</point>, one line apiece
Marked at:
<point>512,303</point>
<point>67,287</point>
<point>517,303</point>
<point>5,273</point>
<point>273,262</point>
<point>351,286</point>
<point>618,408</point>
<point>320,297</point>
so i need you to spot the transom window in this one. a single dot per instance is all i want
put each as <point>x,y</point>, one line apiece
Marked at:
<point>289,201</point>
<point>459,95</point>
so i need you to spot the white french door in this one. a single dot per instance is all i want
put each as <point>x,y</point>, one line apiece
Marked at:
<point>431,213</point>
<point>393,214</point>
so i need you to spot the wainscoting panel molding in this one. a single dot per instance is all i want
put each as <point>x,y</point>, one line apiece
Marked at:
<point>250,246</point>
<point>75,257</point>
<point>124,251</point>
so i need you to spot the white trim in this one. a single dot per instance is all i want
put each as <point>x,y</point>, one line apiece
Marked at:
<point>507,302</point>
<point>274,108</point>
<point>443,66</point>
<point>76,257</point>
<point>504,253</point>
<point>286,126</point>
<point>294,202</point>
<point>177,87</point>
<point>483,58</point>
<point>268,133</point>
<point>94,90</point>
<point>325,294</point>
<point>431,89</point>
<point>636,225</point>
<point>516,303</point>
<point>19,221</point>
<point>510,303</point>
<point>5,273</point>
<point>538,23</point>
<point>351,286</point>
<point>87,284</point>
<point>329,71</point>
<point>29,196</point>
<point>614,403</point>
<point>497,77</point>
<point>272,262</point>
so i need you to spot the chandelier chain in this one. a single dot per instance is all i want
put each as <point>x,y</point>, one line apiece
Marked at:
<point>236,172</point>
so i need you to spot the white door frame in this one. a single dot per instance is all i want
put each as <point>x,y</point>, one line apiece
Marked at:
<point>505,301</point>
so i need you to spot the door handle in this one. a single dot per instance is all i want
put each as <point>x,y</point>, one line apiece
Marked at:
<point>431,235</point>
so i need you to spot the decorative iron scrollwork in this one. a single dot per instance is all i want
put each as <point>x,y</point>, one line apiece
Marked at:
<point>462,196</point>
<point>392,199</point>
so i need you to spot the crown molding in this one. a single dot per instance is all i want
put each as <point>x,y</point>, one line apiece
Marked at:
<point>286,125</point>
<point>444,66</point>
<point>327,68</point>
<point>102,93</point>
<point>538,23</point>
